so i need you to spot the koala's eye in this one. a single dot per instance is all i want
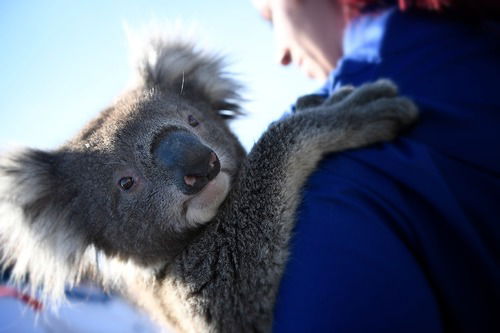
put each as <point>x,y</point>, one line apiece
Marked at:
<point>192,121</point>
<point>126,183</point>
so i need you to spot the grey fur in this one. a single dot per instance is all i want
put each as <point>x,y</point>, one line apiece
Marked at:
<point>193,262</point>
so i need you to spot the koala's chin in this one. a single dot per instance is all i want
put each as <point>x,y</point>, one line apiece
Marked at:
<point>203,206</point>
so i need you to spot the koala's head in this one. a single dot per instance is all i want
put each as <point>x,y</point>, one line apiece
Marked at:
<point>137,181</point>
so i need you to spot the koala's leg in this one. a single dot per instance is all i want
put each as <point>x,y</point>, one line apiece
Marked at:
<point>232,272</point>
<point>289,150</point>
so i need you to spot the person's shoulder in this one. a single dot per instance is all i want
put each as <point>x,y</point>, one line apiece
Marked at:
<point>364,167</point>
<point>382,176</point>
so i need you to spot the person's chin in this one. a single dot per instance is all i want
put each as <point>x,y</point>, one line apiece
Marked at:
<point>318,75</point>
<point>313,71</point>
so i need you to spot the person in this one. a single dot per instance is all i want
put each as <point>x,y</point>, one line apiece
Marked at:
<point>401,236</point>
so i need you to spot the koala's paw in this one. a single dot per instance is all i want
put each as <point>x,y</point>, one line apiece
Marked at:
<point>376,112</point>
<point>309,101</point>
<point>380,100</point>
<point>369,92</point>
<point>349,95</point>
<point>339,95</point>
<point>386,117</point>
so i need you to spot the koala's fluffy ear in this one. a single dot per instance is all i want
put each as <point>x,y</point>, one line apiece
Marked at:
<point>178,66</point>
<point>36,238</point>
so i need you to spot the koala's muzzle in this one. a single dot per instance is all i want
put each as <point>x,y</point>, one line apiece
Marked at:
<point>190,163</point>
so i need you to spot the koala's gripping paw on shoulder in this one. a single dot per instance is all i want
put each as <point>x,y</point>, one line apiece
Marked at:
<point>307,102</point>
<point>374,107</point>
<point>352,117</point>
<point>366,93</point>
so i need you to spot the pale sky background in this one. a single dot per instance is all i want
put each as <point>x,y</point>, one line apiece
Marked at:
<point>61,62</point>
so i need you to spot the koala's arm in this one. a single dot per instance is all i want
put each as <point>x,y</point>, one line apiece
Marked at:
<point>230,275</point>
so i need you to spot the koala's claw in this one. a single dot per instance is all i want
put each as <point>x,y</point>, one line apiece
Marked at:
<point>369,92</point>
<point>398,109</point>
<point>349,95</point>
<point>309,101</point>
<point>339,95</point>
<point>383,119</point>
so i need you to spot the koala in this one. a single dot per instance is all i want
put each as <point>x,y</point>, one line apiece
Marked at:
<point>156,197</point>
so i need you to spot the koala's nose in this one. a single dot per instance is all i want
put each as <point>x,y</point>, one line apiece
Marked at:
<point>191,163</point>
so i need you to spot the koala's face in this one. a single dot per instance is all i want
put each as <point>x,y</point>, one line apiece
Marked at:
<point>137,182</point>
<point>147,172</point>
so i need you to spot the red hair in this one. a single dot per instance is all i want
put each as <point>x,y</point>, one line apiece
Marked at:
<point>486,8</point>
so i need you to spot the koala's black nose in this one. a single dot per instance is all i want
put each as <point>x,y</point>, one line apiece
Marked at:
<point>190,163</point>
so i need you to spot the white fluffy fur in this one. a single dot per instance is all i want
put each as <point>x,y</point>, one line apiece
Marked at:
<point>167,59</point>
<point>51,254</point>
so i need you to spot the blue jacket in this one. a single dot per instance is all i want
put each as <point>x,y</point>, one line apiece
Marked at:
<point>405,236</point>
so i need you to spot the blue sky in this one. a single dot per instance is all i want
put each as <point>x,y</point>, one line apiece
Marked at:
<point>64,61</point>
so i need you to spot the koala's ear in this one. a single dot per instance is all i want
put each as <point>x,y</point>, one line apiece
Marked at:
<point>36,238</point>
<point>178,66</point>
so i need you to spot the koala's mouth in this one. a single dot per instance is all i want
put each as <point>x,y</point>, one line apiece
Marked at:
<point>202,207</point>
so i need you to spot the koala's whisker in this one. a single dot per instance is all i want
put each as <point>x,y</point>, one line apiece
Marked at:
<point>180,93</point>
<point>182,83</point>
